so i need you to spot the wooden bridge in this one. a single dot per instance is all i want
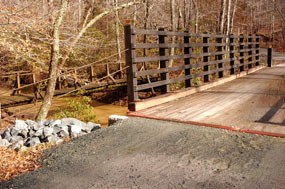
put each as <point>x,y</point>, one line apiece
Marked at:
<point>92,77</point>
<point>215,80</point>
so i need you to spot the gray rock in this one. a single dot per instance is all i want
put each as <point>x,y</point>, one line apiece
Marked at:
<point>30,123</point>
<point>63,134</point>
<point>96,127</point>
<point>21,125</point>
<point>47,122</point>
<point>24,133</point>
<point>6,134</point>
<point>56,129</point>
<point>47,131</point>
<point>31,133</point>
<point>115,118</point>
<point>17,146</point>
<point>14,131</point>
<point>4,143</point>
<point>56,123</point>
<point>36,126</point>
<point>74,131</point>
<point>73,121</point>
<point>15,139</point>
<point>91,126</point>
<point>53,139</point>
<point>32,142</point>
<point>39,132</point>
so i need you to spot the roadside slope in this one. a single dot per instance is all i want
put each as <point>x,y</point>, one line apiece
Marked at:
<point>142,153</point>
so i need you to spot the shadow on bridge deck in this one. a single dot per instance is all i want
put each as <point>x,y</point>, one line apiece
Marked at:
<point>254,103</point>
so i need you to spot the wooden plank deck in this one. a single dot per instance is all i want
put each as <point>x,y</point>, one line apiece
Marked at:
<point>255,102</point>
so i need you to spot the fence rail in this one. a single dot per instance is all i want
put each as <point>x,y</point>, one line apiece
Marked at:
<point>197,59</point>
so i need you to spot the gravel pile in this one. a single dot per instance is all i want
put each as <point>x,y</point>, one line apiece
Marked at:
<point>30,133</point>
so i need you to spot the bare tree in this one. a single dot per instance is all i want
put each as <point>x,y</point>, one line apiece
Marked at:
<point>54,62</point>
<point>58,60</point>
<point>118,42</point>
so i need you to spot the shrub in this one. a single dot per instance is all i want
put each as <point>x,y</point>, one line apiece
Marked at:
<point>78,108</point>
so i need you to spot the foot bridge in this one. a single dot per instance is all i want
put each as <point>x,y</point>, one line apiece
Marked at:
<point>84,79</point>
<point>206,79</point>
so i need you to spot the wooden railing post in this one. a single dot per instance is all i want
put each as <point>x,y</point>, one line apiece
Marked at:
<point>91,72</point>
<point>18,83</point>
<point>163,63</point>
<point>232,54</point>
<point>132,67</point>
<point>250,51</point>
<point>59,81</point>
<point>34,78</point>
<point>257,46</point>
<point>220,66</point>
<point>206,57</point>
<point>187,61</point>
<point>269,57</point>
<point>75,78</point>
<point>241,53</point>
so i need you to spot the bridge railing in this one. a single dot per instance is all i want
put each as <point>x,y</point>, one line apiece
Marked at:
<point>157,64</point>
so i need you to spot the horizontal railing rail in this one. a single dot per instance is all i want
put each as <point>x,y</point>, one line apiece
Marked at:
<point>157,64</point>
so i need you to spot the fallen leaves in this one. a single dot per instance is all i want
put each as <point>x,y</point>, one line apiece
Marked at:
<point>13,163</point>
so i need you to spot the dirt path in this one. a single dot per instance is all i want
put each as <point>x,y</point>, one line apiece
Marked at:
<point>142,153</point>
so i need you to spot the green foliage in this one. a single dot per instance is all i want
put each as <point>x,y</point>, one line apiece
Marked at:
<point>196,81</point>
<point>78,108</point>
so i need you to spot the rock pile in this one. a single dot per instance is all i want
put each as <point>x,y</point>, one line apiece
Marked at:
<point>30,133</point>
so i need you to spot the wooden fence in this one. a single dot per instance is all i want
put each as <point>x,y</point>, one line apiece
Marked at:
<point>197,59</point>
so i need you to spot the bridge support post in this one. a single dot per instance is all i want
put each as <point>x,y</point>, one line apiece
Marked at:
<point>257,50</point>
<point>241,53</point>
<point>232,54</point>
<point>187,61</point>
<point>250,51</point>
<point>220,65</point>
<point>163,63</point>
<point>132,67</point>
<point>18,83</point>
<point>92,75</point>
<point>206,57</point>
<point>269,57</point>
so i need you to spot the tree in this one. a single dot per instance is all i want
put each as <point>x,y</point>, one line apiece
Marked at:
<point>222,16</point>
<point>58,59</point>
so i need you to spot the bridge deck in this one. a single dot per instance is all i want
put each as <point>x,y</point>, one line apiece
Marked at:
<point>255,103</point>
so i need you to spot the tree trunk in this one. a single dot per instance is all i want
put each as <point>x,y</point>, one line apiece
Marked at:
<point>233,16</point>
<point>196,16</point>
<point>54,61</point>
<point>117,26</point>
<point>229,17</point>
<point>173,28</point>
<point>222,16</point>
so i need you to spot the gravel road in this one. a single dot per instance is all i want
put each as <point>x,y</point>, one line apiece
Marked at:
<point>143,153</point>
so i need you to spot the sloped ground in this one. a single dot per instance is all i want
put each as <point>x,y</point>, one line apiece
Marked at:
<point>142,153</point>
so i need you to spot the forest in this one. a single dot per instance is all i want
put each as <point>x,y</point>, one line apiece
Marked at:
<point>50,35</point>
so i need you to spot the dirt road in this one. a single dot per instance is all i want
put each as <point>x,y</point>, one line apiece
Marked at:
<point>142,153</point>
